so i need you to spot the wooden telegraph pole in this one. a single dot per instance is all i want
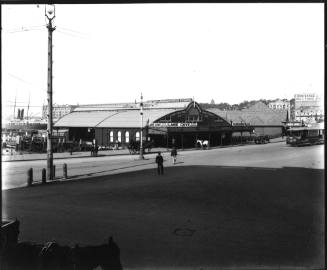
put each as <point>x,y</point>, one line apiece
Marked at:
<point>141,139</point>
<point>50,14</point>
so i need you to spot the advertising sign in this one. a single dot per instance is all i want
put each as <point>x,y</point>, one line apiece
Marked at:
<point>182,125</point>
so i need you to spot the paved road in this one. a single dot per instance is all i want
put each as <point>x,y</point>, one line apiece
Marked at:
<point>259,206</point>
<point>275,155</point>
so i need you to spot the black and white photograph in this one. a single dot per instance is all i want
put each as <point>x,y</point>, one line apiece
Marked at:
<point>167,136</point>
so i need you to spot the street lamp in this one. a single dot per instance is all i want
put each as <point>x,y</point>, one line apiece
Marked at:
<point>50,15</point>
<point>50,11</point>
<point>141,139</point>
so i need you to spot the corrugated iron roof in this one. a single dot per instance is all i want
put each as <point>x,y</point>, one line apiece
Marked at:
<point>258,116</point>
<point>132,118</point>
<point>154,104</point>
<point>122,118</point>
<point>83,119</point>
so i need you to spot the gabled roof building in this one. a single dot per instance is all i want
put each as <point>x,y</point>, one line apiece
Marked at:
<point>179,122</point>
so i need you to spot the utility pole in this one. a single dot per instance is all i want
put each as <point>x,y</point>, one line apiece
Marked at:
<point>141,139</point>
<point>15,108</point>
<point>28,107</point>
<point>50,14</point>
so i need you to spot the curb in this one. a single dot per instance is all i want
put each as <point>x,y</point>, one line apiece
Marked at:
<point>127,154</point>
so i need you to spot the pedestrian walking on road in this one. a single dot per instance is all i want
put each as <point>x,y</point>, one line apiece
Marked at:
<point>174,154</point>
<point>71,148</point>
<point>95,147</point>
<point>80,145</point>
<point>159,161</point>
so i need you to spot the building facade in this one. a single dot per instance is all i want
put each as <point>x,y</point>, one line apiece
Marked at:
<point>58,111</point>
<point>179,122</point>
<point>309,108</point>
<point>279,105</point>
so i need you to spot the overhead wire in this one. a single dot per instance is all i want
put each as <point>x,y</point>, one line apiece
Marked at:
<point>19,78</point>
<point>24,29</point>
<point>62,30</point>
<point>35,106</point>
<point>69,34</point>
<point>70,30</point>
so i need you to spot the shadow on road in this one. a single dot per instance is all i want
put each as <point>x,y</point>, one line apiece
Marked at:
<point>193,216</point>
<point>111,170</point>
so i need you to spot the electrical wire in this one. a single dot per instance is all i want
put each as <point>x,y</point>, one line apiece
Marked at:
<point>35,106</point>
<point>10,101</point>
<point>25,29</point>
<point>19,78</point>
<point>70,30</point>
<point>70,34</point>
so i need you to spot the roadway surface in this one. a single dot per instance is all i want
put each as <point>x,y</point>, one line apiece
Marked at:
<point>255,206</point>
<point>275,155</point>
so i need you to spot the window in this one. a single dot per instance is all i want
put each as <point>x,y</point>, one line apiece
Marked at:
<point>127,136</point>
<point>137,136</point>
<point>119,136</point>
<point>193,118</point>
<point>111,136</point>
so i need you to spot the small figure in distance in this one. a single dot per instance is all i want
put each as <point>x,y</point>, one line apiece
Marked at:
<point>159,161</point>
<point>174,154</point>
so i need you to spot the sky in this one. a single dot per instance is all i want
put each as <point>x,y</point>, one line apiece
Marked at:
<point>112,53</point>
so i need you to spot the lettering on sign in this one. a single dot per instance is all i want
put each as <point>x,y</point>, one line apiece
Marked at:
<point>294,124</point>
<point>174,125</point>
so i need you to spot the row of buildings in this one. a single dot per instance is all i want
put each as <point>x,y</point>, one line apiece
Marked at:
<point>178,121</point>
<point>306,107</point>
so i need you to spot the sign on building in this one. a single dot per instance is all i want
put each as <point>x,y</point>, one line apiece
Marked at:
<point>174,125</point>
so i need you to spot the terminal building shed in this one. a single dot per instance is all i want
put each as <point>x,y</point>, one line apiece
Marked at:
<point>179,122</point>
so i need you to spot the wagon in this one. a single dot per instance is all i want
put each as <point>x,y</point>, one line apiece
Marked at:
<point>262,139</point>
<point>134,147</point>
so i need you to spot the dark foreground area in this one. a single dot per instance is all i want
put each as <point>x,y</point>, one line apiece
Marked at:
<point>192,217</point>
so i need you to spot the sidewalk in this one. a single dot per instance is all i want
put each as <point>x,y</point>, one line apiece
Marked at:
<point>7,157</point>
<point>65,155</point>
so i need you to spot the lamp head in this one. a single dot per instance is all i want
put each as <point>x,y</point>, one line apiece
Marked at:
<point>50,11</point>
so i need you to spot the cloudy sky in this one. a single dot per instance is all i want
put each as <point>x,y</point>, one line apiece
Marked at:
<point>112,53</point>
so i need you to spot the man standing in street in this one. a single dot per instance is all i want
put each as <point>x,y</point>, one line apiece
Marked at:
<point>159,161</point>
<point>174,154</point>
